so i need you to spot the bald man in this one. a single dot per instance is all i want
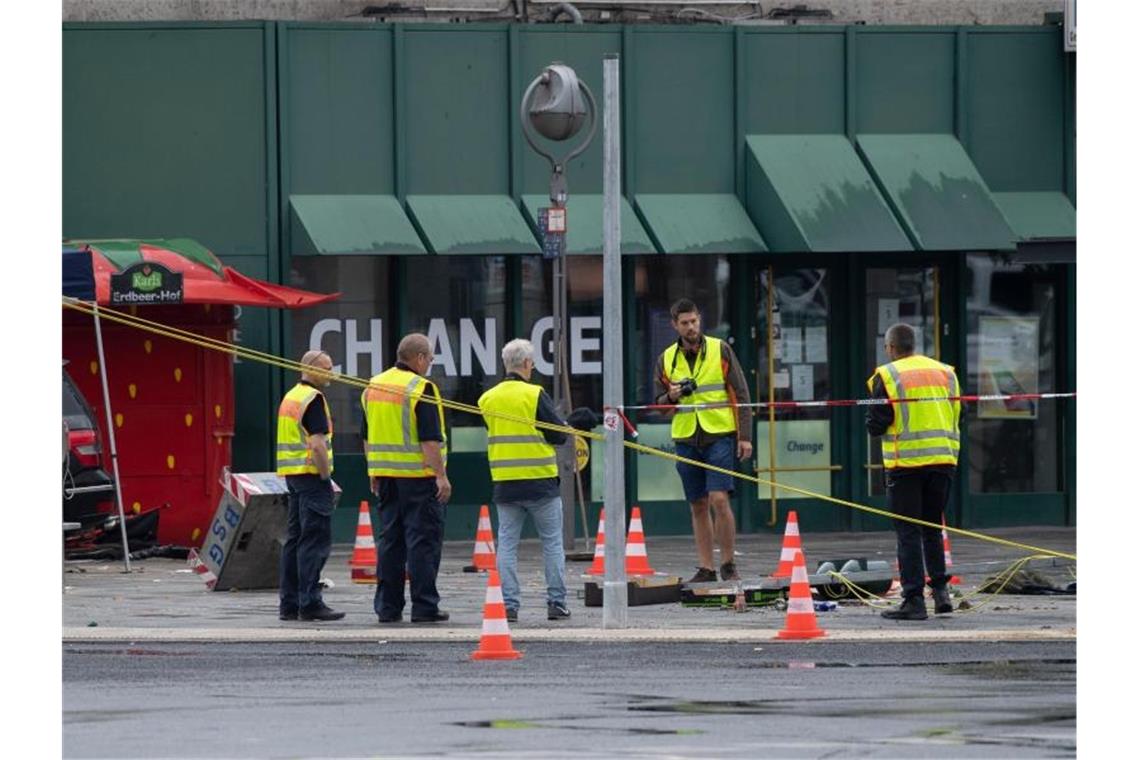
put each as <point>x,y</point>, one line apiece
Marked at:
<point>406,451</point>
<point>305,458</point>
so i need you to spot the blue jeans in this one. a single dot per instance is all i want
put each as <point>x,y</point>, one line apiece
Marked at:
<point>547,516</point>
<point>308,542</point>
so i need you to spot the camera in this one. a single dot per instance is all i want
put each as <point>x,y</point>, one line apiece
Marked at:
<point>688,387</point>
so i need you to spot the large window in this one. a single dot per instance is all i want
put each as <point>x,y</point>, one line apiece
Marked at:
<point>1012,349</point>
<point>793,444</point>
<point>902,294</point>
<point>459,302</point>
<point>354,329</point>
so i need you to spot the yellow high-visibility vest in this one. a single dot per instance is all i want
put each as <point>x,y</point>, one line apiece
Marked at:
<point>393,446</point>
<point>516,450</point>
<point>708,374</point>
<point>923,432</point>
<point>293,455</point>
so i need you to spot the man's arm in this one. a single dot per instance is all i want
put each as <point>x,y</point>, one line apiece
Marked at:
<point>879,416</point>
<point>546,413</point>
<point>667,392</point>
<point>737,388</point>
<point>319,448</point>
<point>431,439</point>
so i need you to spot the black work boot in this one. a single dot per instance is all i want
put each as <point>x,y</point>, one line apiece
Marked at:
<point>728,572</point>
<point>704,575</point>
<point>912,608</point>
<point>942,603</point>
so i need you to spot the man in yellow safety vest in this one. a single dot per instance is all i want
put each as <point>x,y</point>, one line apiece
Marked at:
<point>406,451</point>
<point>305,458</point>
<point>920,456</point>
<point>524,472</point>
<point>701,370</point>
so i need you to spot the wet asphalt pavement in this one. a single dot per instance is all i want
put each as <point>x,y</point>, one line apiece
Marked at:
<point>404,698</point>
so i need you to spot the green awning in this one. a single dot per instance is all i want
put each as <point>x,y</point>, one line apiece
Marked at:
<point>812,193</point>
<point>1039,215</point>
<point>471,224</point>
<point>352,224</point>
<point>704,223</point>
<point>936,191</point>
<point>584,224</point>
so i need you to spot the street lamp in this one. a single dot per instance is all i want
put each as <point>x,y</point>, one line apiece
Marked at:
<point>557,105</point>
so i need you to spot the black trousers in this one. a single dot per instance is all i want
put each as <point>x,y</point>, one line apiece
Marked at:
<point>923,493</point>
<point>411,520</point>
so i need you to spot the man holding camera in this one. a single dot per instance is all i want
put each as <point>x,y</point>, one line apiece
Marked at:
<point>703,375</point>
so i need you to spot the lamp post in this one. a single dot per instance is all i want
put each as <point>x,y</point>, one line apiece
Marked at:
<point>557,105</point>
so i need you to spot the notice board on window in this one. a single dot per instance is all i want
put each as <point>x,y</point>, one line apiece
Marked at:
<point>1008,364</point>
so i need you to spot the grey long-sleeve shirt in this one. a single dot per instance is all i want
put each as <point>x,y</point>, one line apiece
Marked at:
<point>737,388</point>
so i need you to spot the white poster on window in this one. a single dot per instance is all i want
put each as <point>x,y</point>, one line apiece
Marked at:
<point>793,345</point>
<point>815,344</point>
<point>1008,364</point>
<point>803,382</point>
<point>888,313</point>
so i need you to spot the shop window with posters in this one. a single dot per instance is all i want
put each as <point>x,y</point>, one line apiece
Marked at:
<point>659,282</point>
<point>354,329</point>
<point>793,445</point>
<point>1011,348</point>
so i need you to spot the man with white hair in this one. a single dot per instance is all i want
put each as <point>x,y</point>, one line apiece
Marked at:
<point>305,458</point>
<point>524,471</point>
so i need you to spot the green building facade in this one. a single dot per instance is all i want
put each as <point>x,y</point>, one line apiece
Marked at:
<point>809,183</point>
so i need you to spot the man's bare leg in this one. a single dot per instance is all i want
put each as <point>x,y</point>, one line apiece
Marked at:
<point>703,531</point>
<point>724,525</point>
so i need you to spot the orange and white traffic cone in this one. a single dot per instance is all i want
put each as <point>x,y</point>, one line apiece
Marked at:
<point>800,622</point>
<point>636,557</point>
<point>484,555</point>
<point>954,579</point>
<point>599,566</point>
<point>363,560</point>
<point>791,545</point>
<point>495,643</point>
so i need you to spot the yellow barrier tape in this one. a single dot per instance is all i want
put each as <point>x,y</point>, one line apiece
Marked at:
<point>175,333</point>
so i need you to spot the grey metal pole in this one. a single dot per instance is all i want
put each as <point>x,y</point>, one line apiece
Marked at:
<point>564,453</point>
<point>111,437</point>
<point>615,593</point>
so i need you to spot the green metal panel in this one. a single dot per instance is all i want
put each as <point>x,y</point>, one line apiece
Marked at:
<point>371,224</point>
<point>1039,215</point>
<point>339,111</point>
<point>584,224</point>
<point>1016,109</point>
<point>471,224</point>
<point>793,82</point>
<point>164,133</point>
<point>688,223</point>
<point>583,51</point>
<point>904,81</point>
<point>456,118</point>
<point>812,193</point>
<point>682,93</point>
<point>936,192</point>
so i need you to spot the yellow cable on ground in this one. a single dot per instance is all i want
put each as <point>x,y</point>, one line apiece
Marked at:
<point>175,333</point>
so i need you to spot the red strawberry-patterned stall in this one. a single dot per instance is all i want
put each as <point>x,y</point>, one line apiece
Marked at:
<point>172,399</point>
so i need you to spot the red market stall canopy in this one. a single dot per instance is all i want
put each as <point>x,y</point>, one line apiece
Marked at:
<point>203,277</point>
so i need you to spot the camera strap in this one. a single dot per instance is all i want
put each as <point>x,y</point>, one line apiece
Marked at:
<point>694,370</point>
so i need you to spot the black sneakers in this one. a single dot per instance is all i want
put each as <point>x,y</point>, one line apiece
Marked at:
<point>512,616</point>
<point>912,608</point>
<point>728,572</point>
<point>438,616</point>
<point>704,575</point>
<point>942,603</point>
<point>321,612</point>
<point>556,611</point>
